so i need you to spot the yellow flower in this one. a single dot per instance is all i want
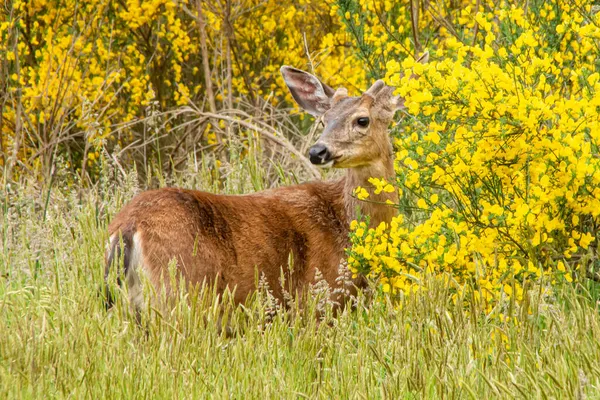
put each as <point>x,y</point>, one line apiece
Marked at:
<point>361,193</point>
<point>585,240</point>
<point>388,188</point>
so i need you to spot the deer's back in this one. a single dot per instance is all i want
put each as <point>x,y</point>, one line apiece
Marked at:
<point>228,238</point>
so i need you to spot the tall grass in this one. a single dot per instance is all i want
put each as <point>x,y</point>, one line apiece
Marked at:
<point>57,340</point>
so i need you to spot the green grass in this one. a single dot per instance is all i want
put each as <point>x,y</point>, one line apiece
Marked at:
<point>56,339</point>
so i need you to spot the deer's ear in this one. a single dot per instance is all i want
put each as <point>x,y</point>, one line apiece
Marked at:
<point>399,103</point>
<point>309,92</point>
<point>385,103</point>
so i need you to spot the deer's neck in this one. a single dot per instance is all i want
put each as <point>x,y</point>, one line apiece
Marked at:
<point>375,205</point>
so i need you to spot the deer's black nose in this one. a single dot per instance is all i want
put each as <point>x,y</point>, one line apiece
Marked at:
<point>319,154</point>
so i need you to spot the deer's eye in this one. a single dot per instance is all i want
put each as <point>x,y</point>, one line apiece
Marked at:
<point>363,121</point>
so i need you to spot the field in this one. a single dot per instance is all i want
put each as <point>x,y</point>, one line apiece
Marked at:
<point>58,340</point>
<point>484,284</point>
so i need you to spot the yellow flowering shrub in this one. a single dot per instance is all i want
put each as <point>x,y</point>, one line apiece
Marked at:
<point>78,70</point>
<point>82,73</point>
<point>267,34</point>
<point>497,161</point>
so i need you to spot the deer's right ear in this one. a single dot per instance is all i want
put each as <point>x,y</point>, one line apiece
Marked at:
<point>309,92</point>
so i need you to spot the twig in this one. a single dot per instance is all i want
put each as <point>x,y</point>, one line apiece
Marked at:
<point>414,19</point>
<point>310,62</point>
<point>311,135</point>
<point>593,276</point>
<point>205,65</point>
<point>229,30</point>
<point>439,18</point>
<point>18,122</point>
<point>280,140</point>
<point>476,29</point>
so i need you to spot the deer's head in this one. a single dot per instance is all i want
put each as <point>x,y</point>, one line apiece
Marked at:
<point>355,133</point>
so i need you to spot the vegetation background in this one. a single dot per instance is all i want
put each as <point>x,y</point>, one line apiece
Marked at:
<point>484,285</point>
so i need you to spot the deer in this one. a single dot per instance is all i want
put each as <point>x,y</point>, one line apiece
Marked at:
<point>224,240</point>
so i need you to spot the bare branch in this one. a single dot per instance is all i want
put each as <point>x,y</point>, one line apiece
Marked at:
<point>205,65</point>
<point>279,140</point>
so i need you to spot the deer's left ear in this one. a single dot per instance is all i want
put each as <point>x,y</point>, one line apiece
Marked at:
<point>309,92</point>
<point>386,104</point>
<point>399,103</point>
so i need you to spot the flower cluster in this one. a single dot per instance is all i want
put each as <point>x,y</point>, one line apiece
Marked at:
<point>497,162</point>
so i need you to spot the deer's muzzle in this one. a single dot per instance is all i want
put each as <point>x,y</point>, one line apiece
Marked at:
<point>319,154</point>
